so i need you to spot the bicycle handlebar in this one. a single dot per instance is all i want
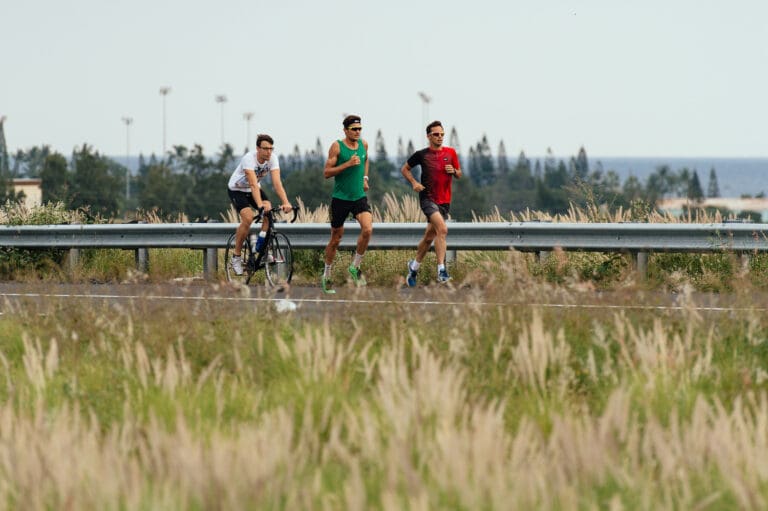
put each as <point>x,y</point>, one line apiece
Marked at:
<point>271,212</point>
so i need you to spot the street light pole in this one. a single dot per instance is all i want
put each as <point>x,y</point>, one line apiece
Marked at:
<point>128,121</point>
<point>164,92</point>
<point>221,99</point>
<point>247,116</point>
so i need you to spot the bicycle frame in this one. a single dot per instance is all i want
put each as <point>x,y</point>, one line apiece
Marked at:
<point>275,258</point>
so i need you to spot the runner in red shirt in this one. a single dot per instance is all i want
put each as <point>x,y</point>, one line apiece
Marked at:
<point>439,166</point>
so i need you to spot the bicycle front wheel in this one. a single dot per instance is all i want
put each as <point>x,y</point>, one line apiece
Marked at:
<point>279,260</point>
<point>247,262</point>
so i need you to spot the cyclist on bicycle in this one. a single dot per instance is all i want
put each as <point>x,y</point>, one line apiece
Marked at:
<point>245,193</point>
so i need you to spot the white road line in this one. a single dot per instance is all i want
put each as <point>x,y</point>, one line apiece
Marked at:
<point>380,302</point>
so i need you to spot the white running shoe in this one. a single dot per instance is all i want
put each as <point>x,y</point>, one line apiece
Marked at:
<point>237,264</point>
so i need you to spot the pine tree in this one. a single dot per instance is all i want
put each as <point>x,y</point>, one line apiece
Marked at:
<point>521,177</point>
<point>401,156</point>
<point>5,167</point>
<point>453,141</point>
<point>502,163</point>
<point>292,162</point>
<point>523,162</point>
<point>472,162</point>
<point>694,187</point>
<point>581,165</point>
<point>381,149</point>
<point>481,168</point>
<point>382,169</point>
<point>7,191</point>
<point>550,162</point>
<point>6,182</point>
<point>713,189</point>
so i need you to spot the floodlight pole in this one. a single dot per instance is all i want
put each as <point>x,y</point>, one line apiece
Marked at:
<point>127,121</point>
<point>247,116</point>
<point>164,92</point>
<point>425,100</point>
<point>221,99</point>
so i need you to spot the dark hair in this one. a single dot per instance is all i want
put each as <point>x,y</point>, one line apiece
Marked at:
<point>262,138</point>
<point>350,119</point>
<point>433,124</point>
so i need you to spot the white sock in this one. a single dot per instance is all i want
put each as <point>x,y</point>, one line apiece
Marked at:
<point>415,265</point>
<point>440,267</point>
<point>357,260</point>
<point>327,271</point>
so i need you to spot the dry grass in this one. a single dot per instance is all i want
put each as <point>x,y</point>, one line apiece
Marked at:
<point>592,214</point>
<point>107,407</point>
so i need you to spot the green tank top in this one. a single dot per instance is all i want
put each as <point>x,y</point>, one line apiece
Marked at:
<point>349,184</point>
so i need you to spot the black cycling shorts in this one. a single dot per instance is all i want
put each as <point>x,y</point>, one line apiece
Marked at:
<point>242,200</point>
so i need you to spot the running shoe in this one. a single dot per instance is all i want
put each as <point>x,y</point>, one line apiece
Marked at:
<point>357,276</point>
<point>442,276</point>
<point>326,283</point>
<point>237,264</point>
<point>411,278</point>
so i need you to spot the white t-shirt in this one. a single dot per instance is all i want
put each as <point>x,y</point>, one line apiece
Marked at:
<point>239,182</point>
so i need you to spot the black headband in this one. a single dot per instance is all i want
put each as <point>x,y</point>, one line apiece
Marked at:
<point>351,120</point>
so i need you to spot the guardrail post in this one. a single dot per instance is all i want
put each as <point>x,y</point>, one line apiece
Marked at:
<point>210,261</point>
<point>745,259</point>
<point>641,264</point>
<point>142,258</point>
<point>73,258</point>
<point>450,254</point>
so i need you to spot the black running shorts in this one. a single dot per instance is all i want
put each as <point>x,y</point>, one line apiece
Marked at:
<point>429,207</point>
<point>341,209</point>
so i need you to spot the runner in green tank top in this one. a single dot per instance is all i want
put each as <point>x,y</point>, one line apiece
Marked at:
<point>348,165</point>
<point>349,184</point>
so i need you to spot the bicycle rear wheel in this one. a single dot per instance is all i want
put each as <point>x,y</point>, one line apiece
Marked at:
<point>279,260</point>
<point>245,253</point>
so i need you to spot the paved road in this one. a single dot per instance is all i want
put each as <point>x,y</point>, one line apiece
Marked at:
<point>308,300</point>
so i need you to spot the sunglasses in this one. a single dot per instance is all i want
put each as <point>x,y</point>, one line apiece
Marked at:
<point>269,148</point>
<point>355,129</point>
<point>437,134</point>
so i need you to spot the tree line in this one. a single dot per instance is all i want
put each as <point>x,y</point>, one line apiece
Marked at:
<point>187,181</point>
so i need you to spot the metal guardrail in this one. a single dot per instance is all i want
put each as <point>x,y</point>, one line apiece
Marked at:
<point>636,238</point>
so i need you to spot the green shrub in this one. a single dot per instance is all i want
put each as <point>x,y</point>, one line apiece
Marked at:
<point>16,263</point>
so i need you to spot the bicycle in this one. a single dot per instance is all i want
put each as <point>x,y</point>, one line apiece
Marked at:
<point>275,258</point>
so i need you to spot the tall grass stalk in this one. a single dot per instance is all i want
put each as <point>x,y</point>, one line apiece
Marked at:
<point>139,406</point>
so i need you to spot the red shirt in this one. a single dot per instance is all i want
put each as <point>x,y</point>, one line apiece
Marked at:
<point>437,182</point>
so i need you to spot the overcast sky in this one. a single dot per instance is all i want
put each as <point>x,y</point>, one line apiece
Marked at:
<point>650,78</point>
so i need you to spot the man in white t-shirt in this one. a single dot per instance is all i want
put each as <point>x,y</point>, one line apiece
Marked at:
<point>246,194</point>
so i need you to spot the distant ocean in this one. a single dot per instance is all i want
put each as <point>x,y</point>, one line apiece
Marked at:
<point>735,176</point>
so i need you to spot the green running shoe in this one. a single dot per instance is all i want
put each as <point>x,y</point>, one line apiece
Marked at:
<point>326,283</point>
<point>357,276</point>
